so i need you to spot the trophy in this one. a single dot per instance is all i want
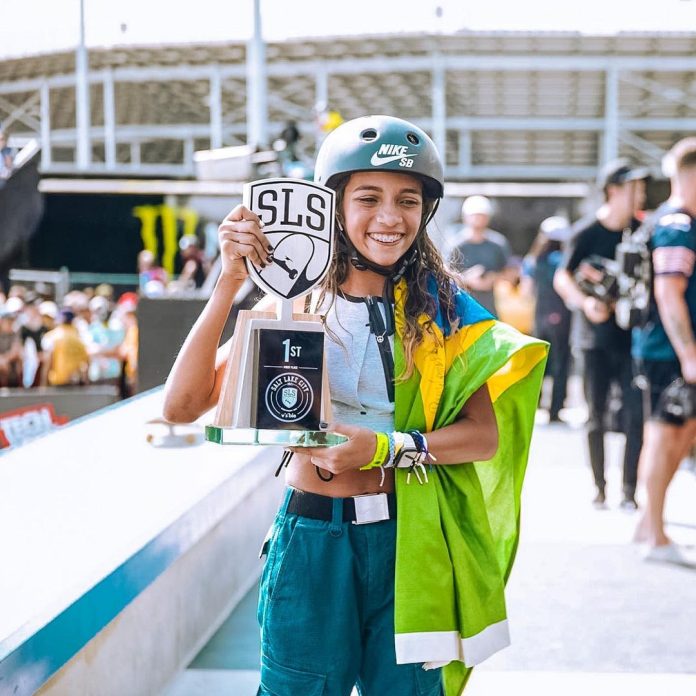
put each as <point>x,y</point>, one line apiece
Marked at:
<point>275,390</point>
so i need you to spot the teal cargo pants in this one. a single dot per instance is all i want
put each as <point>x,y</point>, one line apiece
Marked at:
<point>326,611</point>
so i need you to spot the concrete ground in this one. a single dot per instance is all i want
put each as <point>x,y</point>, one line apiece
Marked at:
<point>588,615</point>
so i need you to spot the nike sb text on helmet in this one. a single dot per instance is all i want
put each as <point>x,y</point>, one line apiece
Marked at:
<point>380,143</point>
<point>392,153</point>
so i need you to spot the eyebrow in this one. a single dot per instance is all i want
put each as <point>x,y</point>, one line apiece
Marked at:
<point>367,187</point>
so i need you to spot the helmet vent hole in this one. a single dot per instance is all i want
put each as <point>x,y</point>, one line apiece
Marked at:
<point>369,135</point>
<point>412,138</point>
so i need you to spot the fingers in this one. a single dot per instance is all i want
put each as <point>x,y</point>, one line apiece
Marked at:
<point>243,221</point>
<point>237,244</point>
<point>239,213</point>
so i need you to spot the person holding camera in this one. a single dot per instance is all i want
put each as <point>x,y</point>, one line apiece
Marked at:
<point>605,346</point>
<point>665,348</point>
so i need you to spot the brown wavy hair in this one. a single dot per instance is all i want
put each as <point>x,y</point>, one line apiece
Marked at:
<point>420,302</point>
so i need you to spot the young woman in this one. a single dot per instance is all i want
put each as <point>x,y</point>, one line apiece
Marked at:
<point>437,401</point>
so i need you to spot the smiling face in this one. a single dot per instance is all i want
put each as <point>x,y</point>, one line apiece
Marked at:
<point>382,213</point>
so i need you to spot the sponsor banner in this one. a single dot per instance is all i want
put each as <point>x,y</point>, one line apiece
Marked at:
<point>21,425</point>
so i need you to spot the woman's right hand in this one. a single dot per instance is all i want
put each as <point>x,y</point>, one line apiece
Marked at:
<point>240,235</point>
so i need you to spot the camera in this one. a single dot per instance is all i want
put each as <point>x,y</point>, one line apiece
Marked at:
<point>678,401</point>
<point>623,282</point>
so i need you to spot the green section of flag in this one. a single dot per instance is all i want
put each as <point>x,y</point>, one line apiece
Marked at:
<point>457,534</point>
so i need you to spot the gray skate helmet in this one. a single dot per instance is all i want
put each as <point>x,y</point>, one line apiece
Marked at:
<point>380,143</point>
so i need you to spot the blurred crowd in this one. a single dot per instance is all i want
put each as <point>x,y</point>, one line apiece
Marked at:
<point>154,281</point>
<point>90,338</point>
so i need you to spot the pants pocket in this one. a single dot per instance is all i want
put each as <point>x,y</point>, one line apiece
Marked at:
<point>277,680</point>
<point>277,550</point>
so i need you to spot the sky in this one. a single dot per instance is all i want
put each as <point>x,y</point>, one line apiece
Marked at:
<point>39,26</point>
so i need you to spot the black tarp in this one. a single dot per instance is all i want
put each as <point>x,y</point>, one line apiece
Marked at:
<point>21,208</point>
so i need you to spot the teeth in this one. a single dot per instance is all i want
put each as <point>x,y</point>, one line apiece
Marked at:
<point>387,238</point>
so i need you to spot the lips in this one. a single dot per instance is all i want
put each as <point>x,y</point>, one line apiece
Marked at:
<point>384,238</point>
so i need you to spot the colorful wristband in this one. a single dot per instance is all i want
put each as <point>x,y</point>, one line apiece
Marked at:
<point>381,452</point>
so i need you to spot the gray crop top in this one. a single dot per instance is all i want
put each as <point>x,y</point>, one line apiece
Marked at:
<point>356,376</point>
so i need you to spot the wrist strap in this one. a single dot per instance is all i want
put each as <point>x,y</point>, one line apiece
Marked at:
<point>381,452</point>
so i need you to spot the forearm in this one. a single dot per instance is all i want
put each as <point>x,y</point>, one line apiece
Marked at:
<point>189,388</point>
<point>466,440</point>
<point>568,289</point>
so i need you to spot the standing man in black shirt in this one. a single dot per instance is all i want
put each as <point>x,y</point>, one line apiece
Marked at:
<point>606,348</point>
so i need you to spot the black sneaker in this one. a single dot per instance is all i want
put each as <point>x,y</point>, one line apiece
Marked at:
<point>600,501</point>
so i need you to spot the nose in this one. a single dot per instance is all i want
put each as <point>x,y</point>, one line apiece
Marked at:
<point>389,215</point>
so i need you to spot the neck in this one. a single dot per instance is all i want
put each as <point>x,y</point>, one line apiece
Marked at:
<point>477,234</point>
<point>363,283</point>
<point>613,219</point>
<point>689,205</point>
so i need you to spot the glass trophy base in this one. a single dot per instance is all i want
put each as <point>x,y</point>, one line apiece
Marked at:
<point>282,438</point>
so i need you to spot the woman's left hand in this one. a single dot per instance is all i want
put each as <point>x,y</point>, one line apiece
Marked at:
<point>351,455</point>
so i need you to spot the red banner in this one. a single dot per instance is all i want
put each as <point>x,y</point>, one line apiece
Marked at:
<point>24,424</point>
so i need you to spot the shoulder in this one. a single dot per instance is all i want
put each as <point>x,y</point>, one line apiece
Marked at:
<point>496,238</point>
<point>675,228</point>
<point>586,227</point>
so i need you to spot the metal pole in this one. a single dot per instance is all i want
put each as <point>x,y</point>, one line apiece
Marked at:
<point>82,96</point>
<point>610,149</point>
<point>109,120</point>
<point>45,126</point>
<point>439,105</point>
<point>257,109</point>
<point>215,108</point>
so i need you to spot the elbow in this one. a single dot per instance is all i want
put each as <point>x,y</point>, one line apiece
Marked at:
<point>490,443</point>
<point>178,410</point>
<point>487,440</point>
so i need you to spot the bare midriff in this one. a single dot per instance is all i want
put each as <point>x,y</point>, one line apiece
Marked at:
<point>302,474</point>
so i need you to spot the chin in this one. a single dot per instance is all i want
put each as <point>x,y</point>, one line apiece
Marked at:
<point>384,257</point>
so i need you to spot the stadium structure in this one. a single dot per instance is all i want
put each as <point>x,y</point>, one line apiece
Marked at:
<point>504,106</point>
<point>527,116</point>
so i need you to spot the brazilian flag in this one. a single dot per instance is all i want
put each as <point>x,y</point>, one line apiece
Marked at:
<point>457,534</point>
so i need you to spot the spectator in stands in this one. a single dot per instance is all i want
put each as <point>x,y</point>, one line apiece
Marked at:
<point>49,314</point>
<point>551,316</point>
<point>195,264</point>
<point>103,341</point>
<point>149,271</point>
<point>32,332</point>
<point>6,157</point>
<point>17,291</point>
<point>105,290</point>
<point>10,346</point>
<point>68,361</point>
<point>605,346</point>
<point>78,302</point>
<point>482,255</point>
<point>128,350</point>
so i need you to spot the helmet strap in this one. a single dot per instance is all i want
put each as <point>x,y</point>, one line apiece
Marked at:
<point>360,263</point>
